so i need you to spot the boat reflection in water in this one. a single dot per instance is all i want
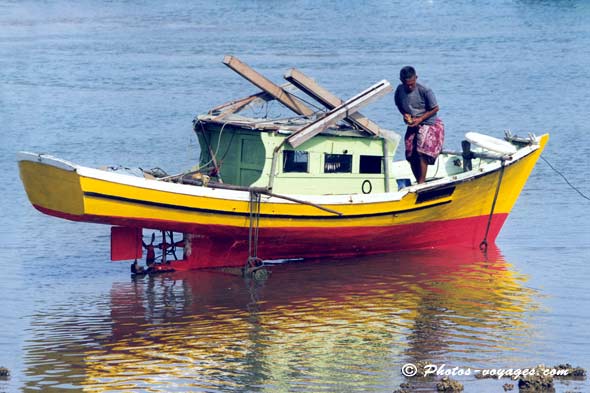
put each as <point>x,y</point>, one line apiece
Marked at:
<point>347,324</point>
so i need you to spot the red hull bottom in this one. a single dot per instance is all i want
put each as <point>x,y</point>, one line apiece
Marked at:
<point>221,246</point>
<point>231,249</point>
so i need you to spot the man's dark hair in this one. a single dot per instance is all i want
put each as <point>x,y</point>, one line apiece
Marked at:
<point>406,73</point>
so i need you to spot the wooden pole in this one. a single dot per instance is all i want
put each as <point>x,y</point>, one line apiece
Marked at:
<point>329,100</point>
<point>340,112</point>
<point>260,190</point>
<point>280,94</point>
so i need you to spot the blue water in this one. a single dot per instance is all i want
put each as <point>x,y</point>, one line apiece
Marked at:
<point>104,83</point>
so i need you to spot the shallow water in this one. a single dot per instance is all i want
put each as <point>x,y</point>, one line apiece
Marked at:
<point>119,83</point>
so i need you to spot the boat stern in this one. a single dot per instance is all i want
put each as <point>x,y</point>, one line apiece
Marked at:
<point>52,185</point>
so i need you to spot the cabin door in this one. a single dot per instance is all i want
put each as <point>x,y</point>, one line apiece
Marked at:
<point>251,159</point>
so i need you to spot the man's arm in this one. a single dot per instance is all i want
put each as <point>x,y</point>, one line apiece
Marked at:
<point>398,101</point>
<point>430,101</point>
<point>417,120</point>
<point>400,108</point>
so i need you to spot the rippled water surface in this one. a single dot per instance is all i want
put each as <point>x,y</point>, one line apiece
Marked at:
<point>104,83</point>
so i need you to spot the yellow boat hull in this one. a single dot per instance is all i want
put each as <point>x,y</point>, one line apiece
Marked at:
<point>216,222</point>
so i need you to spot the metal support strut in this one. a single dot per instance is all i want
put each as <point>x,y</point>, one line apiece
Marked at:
<point>484,243</point>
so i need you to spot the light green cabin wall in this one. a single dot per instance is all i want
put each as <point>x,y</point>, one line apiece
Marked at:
<point>318,182</point>
<point>246,159</point>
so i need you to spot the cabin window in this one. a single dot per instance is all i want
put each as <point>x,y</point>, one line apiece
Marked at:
<point>337,163</point>
<point>370,164</point>
<point>295,161</point>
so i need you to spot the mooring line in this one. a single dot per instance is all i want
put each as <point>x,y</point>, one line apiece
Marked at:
<point>565,178</point>
<point>484,243</point>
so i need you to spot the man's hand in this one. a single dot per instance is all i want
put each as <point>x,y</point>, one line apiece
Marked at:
<point>415,121</point>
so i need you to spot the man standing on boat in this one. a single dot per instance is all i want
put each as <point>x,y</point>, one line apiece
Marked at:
<point>425,134</point>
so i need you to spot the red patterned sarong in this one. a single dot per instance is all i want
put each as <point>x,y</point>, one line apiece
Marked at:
<point>426,140</point>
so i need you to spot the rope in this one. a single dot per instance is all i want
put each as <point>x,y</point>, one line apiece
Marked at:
<point>484,243</point>
<point>254,266</point>
<point>229,144</point>
<point>566,180</point>
<point>254,226</point>
<point>213,154</point>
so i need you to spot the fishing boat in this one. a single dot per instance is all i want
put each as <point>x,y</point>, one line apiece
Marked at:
<point>319,183</point>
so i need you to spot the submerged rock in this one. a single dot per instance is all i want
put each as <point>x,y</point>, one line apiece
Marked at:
<point>417,370</point>
<point>481,375</point>
<point>508,386</point>
<point>572,372</point>
<point>449,385</point>
<point>421,367</point>
<point>405,388</point>
<point>539,381</point>
<point>4,372</point>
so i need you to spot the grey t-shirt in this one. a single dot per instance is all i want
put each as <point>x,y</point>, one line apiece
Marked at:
<point>417,102</point>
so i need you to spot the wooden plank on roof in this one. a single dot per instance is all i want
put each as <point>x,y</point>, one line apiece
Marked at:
<point>340,112</point>
<point>329,100</point>
<point>283,96</point>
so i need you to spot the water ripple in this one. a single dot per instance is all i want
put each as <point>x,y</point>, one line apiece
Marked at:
<point>351,320</point>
